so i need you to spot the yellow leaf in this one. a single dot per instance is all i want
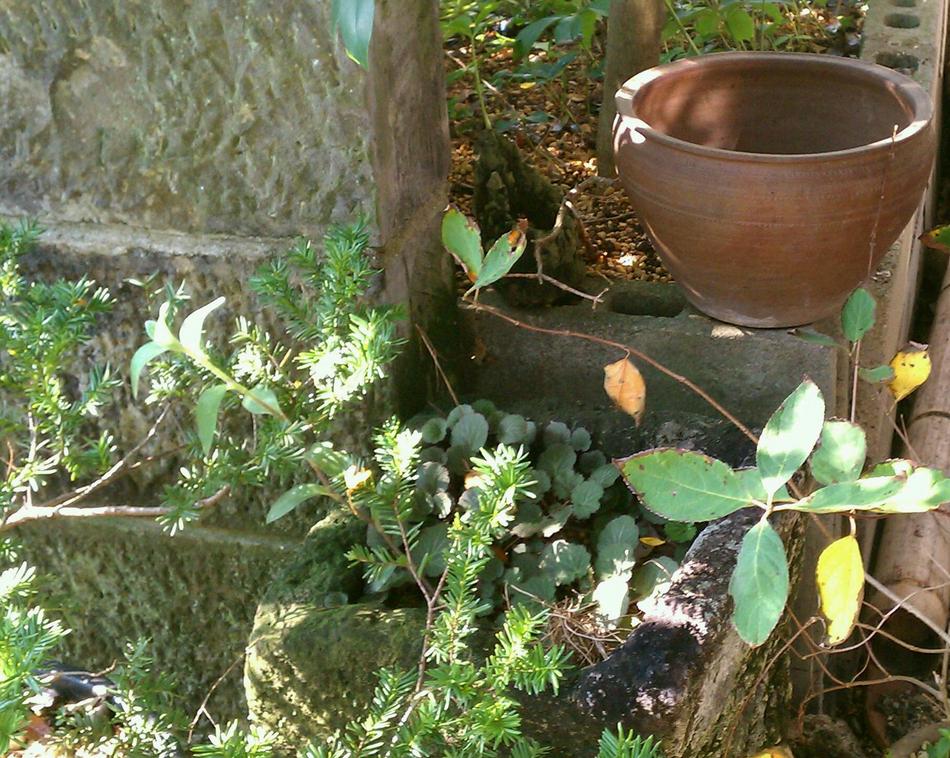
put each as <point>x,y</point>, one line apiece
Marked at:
<point>775,752</point>
<point>624,384</point>
<point>840,578</point>
<point>652,541</point>
<point>911,369</point>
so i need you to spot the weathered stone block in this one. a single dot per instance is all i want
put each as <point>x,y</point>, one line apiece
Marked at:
<point>243,118</point>
<point>749,371</point>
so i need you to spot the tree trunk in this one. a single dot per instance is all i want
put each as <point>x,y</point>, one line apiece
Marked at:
<point>633,45</point>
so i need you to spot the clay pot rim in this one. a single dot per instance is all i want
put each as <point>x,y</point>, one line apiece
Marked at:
<point>905,87</point>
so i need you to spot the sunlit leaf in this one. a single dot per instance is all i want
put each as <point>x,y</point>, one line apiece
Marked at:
<point>503,255</point>
<point>261,401</point>
<point>840,579</point>
<point>790,435</point>
<point>682,485</point>
<point>840,454</point>
<point>161,334</point>
<point>740,24</point>
<point>463,240</point>
<point>190,332</point>
<point>294,497</point>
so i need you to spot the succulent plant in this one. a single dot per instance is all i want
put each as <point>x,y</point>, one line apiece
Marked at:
<point>581,533</point>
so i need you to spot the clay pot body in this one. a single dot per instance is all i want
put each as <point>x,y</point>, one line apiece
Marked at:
<point>772,183</point>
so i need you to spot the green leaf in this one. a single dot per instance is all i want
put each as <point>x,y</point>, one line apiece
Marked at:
<point>682,485</point>
<point>740,24</point>
<point>261,401</point>
<point>564,561</point>
<point>433,431</point>
<point>327,459</point>
<point>353,21</point>
<point>585,498</point>
<point>294,497</point>
<point>470,433</point>
<point>677,531</point>
<point>862,495</point>
<point>431,548</point>
<point>876,375</point>
<point>558,460</point>
<point>190,332</point>
<point>528,36</point>
<point>463,240</point>
<point>143,356</point>
<point>580,440</point>
<point>840,454</point>
<point>840,579</point>
<point>706,23</point>
<point>557,433</point>
<point>512,430</point>
<point>616,547</point>
<point>529,591</point>
<point>759,584</point>
<point>500,259</point>
<point>605,475</point>
<point>789,436</point>
<point>161,334</point>
<point>206,414</point>
<point>857,317</point>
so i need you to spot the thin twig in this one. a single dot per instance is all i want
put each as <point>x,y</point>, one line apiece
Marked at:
<point>890,595</point>
<point>75,496</point>
<point>202,709</point>
<point>28,513</point>
<point>438,366</point>
<point>595,299</point>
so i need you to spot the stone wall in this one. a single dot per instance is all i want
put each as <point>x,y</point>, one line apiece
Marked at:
<point>191,139</point>
<point>240,118</point>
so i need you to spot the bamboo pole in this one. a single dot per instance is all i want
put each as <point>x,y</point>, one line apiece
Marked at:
<point>914,556</point>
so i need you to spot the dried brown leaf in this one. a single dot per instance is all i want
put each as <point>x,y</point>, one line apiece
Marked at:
<point>624,384</point>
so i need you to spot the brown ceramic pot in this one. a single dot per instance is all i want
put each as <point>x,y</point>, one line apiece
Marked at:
<point>772,183</point>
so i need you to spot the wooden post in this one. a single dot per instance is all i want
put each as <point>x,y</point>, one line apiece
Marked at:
<point>633,45</point>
